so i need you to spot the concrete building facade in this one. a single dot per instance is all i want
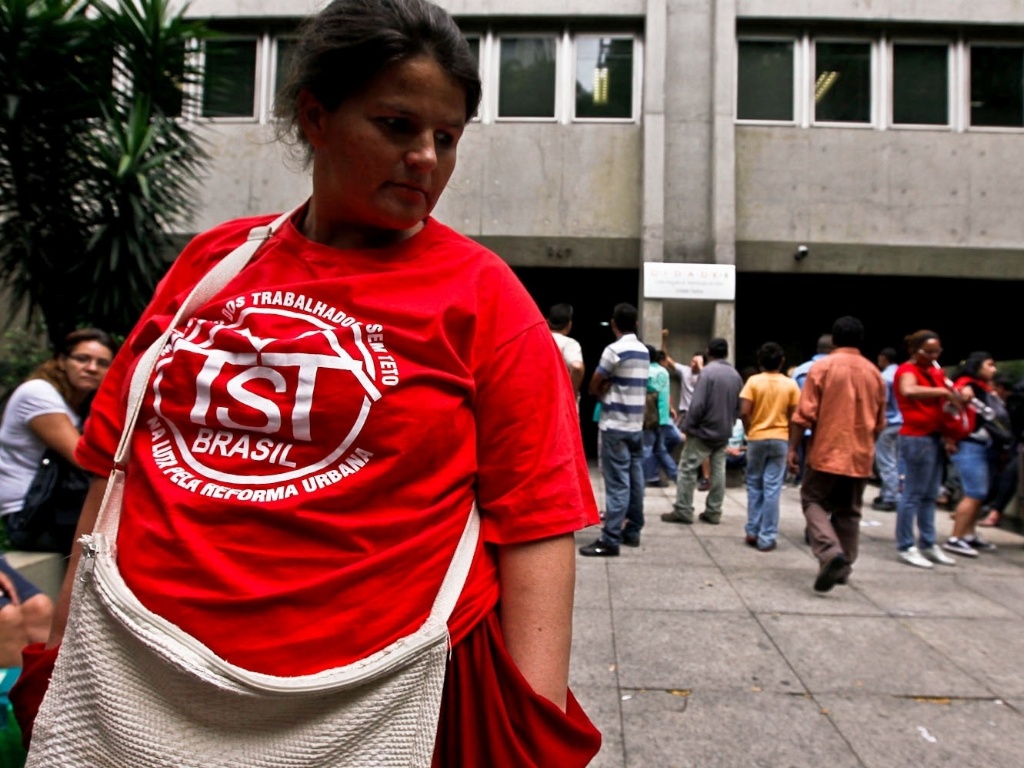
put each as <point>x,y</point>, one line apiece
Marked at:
<point>883,136</point>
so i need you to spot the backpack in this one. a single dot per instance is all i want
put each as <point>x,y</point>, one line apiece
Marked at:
<point>652,417</point>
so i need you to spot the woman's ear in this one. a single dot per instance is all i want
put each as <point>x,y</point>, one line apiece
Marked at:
<point>312,118</point>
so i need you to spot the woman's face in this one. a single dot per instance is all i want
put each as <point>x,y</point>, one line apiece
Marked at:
<point>383,157</point>
<point>987,370</point>
<point>86,365</point>
<point>928,351</point>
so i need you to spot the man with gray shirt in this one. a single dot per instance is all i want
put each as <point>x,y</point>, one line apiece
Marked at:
<point>709,423</point>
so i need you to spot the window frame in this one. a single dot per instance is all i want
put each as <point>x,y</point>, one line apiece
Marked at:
<point>557,107</point>
<point>637,76</point>
<point>259,103</point>
<point>798,109</point>
<point>873,81</point>
<point>967,71</point>
<point>269,93</point>
<point>889,82</point>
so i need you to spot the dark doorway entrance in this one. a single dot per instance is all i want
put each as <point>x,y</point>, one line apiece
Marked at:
<point>593,293</point>
<point>795,309</point>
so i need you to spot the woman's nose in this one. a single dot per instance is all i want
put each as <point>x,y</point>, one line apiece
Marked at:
<point>423,154</point>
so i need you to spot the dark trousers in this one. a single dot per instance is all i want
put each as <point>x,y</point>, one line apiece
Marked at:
<point>831,505</point>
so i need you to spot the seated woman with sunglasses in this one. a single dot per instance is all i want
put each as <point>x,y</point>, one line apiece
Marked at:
<point>47,412</point>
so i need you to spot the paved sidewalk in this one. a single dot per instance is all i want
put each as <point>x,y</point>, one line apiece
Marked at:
<point>696,650</point>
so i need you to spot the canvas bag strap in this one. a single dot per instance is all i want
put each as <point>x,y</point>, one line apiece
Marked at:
<point>212,282</point>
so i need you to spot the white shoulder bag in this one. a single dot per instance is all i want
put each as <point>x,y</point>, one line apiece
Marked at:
<point>132,690</point>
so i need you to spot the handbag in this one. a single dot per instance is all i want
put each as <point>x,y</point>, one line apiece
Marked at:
<point>53,503</point>
<point>132,689</point>
<point>956,423</point>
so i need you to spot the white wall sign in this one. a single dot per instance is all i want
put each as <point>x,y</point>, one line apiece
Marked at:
<point>713,282</point>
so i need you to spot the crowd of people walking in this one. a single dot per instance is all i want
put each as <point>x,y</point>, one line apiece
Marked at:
<point>832,424</point>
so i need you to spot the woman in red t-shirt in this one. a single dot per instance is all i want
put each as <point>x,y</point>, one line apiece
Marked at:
<point>921,394</point>
<point>314,438</point>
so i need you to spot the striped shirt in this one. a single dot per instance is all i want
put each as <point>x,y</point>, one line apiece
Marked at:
<point>626,365</point>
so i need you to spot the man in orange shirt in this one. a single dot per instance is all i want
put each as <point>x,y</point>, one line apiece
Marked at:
<point>843,404</point>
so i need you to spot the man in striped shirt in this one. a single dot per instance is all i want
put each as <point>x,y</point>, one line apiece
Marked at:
<point>620,382</point>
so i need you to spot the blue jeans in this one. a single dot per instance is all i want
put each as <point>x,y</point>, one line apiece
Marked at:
<point>658,446</point>
<point>887,461</point>
<point>622,468</point>
<point>921,458</point>
<point>766,472</point>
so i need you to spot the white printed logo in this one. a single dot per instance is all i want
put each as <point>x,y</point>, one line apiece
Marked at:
<point>273,401</point>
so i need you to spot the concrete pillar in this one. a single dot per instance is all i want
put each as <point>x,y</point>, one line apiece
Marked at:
<point>653,216</point>
<point>723,157</point>
<point>724,325</point>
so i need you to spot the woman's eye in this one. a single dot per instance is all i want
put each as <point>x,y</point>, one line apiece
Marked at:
<point>397,124</point>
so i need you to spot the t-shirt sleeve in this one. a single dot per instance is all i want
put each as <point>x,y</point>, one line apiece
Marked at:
<point>747,393</point>
<point>38,398</point>
<point>573,352</point>
<point>608,362</point>
<point>533,481</point>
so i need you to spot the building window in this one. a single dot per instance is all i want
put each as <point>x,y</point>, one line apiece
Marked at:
<point>765,80</point>
<point>283,61</point>
<point>229,79</point>
<point>474,49</point>
<point>842,82</point>
<point>920,84</point>
<point>997,85</point>
<point>604,77</point>
<point>526,80</point>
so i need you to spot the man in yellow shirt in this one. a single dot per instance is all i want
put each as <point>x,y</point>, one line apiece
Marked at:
<point>767,402</point>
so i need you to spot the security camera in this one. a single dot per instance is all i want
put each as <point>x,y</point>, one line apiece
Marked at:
<point>801,252</point>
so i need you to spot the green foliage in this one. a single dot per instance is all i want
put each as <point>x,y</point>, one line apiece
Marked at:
<point>1014,369</point>
<point>20,352</point>
<point>95,166</point>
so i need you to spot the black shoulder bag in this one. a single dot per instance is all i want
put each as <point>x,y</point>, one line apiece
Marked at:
<point>52,505</point>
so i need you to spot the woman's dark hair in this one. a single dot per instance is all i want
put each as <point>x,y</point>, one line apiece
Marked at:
<point>348,43</point>
<point>53,372</point>
<point>916,339</point>
<point>973,363</point>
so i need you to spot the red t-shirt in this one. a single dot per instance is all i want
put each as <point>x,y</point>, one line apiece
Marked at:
<point>313,439</point>
<point>920,417</point>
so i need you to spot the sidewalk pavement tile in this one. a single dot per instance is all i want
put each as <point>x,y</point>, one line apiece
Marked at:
<point>789,591</point>
<point>696,650</point>
<point>1007,592</point>
<point>888,731</point>
<point>846,653</point>
<point>980,647</point>
<point>711,728</point>
<point>681,589</point>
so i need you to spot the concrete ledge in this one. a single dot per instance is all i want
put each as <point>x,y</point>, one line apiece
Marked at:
<point>44,569</point>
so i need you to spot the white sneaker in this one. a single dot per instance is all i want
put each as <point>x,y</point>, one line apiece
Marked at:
<point>914,557</point>
<point>936,554</point>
